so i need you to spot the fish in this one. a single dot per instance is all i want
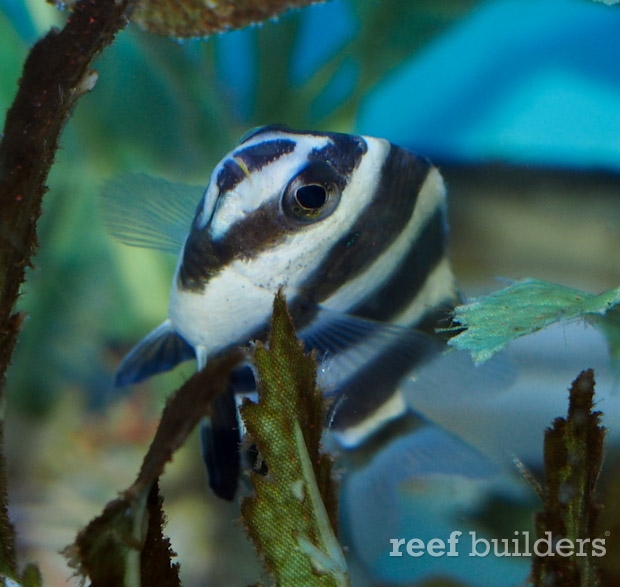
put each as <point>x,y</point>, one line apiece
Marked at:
<point>352,229</point>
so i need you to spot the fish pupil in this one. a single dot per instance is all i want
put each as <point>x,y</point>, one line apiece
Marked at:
<point>311,197</point>
<point>313,194</point>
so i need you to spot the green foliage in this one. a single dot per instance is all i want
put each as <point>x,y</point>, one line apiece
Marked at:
<point>491,322</point>
<point>287,518</point>
<point>107,551</point>
<point>573,458</point>
<point>125,545</point>
<point>31,577</point>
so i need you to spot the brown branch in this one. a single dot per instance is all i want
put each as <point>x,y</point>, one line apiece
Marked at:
<point>102,552</point>
<point>56,73</point>
<point>197,18</point>
<point>573,459</point>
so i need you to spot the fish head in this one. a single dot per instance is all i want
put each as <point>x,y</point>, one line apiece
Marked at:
<point>283,203</point>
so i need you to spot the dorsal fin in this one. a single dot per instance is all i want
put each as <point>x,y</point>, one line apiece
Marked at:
<point>149,212</point>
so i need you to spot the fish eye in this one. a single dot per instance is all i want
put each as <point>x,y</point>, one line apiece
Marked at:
<point>311,195</point>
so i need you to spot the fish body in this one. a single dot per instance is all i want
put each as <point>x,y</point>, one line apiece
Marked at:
<point>353,230</point>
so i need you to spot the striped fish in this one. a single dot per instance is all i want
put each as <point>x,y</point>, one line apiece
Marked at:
<point>353,229</point>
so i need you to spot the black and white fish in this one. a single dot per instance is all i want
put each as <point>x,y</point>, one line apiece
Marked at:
<point>353,229</point>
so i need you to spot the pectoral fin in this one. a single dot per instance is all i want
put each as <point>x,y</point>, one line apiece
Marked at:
<point>160,351</point>
<point>362,363</point>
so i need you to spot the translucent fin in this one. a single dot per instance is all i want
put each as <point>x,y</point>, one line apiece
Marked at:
<point>160,351</point>
<point>454,377</point>
<point>333,331</point>
<point>345,343</point>
<point>220,441</point>
<point>532,376</point>
<point>143,211</point>
<point>363,362</point>
<point>428,475</point>
<point>463,397</point>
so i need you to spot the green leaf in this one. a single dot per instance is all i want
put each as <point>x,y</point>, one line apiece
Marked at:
<point>291,518</point>
<point>107,551</point>
<point>125,545</point>
<point>490,323</point>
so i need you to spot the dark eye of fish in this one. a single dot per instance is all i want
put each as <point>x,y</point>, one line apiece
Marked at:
<point>312,194</point>
<point>311,197</point>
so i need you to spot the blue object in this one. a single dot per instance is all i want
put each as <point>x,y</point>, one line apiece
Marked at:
<point>518,81</point>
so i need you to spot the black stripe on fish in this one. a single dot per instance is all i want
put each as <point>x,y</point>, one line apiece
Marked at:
<point>405,282</point>
<point>204,257</point>
<point>259,155</point>
<point>406,423</point>
<point>377,226</point>
<point>228,177</point>
<point>343,152</point>
<point>254,157</point>
<point>371,386</point>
